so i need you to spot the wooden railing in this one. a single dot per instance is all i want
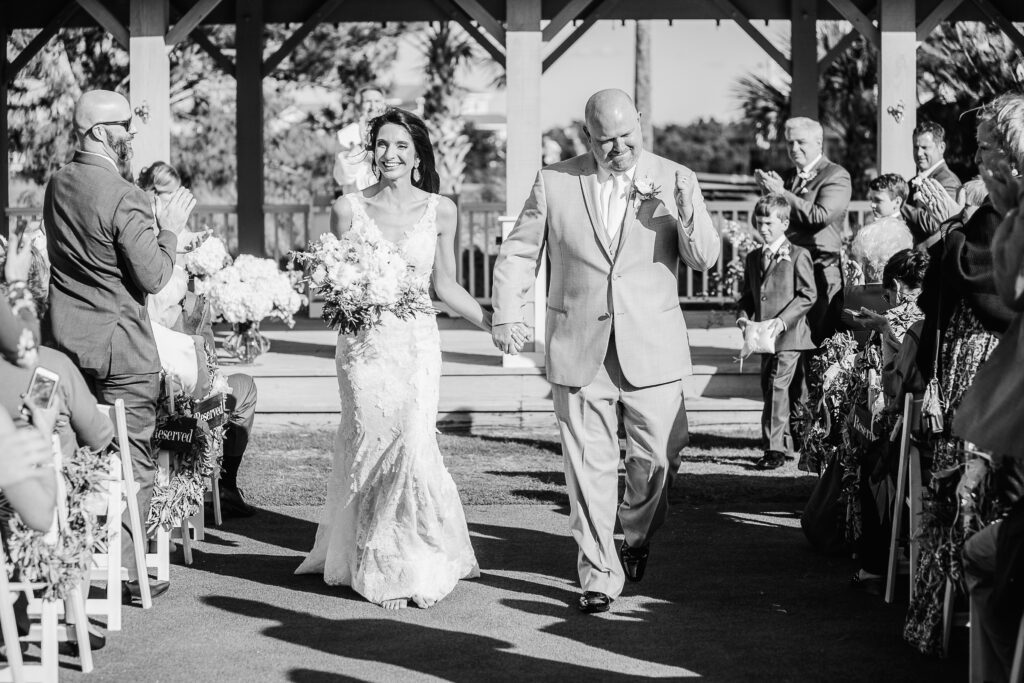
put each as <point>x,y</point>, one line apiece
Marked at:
<point>292,226</point>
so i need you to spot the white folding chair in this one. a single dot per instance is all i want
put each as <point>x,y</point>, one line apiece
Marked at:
<point>908,498</point>
<point>16,670</point>
<point>125,490</point>
<point>51,629</point>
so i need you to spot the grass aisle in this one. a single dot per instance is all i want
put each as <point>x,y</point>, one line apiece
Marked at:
<point>508,468</point>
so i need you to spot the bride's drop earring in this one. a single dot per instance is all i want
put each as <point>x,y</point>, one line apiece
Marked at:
<point>416,173</point>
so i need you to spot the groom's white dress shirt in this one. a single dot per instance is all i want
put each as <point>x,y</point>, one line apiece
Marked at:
<point>613,192</point>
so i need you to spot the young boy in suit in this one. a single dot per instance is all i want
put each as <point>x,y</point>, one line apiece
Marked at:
<point>778,286</point>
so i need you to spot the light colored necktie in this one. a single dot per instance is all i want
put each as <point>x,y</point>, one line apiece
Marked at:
<point>615,206</point>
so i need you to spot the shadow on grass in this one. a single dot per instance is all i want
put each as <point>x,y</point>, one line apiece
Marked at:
<point>727,596</point>
<point>446,654</point>
<point>549,445</point>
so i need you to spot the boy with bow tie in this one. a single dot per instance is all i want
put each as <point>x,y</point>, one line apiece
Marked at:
<point>778,287</point>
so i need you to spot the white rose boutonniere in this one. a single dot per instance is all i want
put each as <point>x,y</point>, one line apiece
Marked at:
<point>644,189</point>
<point>783,253</point>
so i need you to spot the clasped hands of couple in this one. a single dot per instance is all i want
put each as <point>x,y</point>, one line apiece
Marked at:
<point>510,338</point>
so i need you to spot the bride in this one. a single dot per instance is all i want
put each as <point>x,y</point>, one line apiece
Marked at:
<point>393,528</point>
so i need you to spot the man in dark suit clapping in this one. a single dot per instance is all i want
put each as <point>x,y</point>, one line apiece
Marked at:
<point>108,251</point>
<point>929,149</point>
<point>818,192</point>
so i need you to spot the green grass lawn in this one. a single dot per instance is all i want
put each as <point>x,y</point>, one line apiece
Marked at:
<point>293,469</point>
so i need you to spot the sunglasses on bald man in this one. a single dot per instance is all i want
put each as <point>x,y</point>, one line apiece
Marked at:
<point>126,124</point>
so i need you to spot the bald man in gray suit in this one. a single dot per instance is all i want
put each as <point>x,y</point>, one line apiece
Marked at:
<point>615,224</point>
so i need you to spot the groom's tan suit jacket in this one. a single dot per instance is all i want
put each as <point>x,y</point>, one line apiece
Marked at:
<point>628,283</point>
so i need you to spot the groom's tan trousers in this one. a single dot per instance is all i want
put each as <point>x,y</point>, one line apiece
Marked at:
<point>656,432</point>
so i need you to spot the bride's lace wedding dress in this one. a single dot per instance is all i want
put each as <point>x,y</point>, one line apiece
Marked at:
<point>393,526</point>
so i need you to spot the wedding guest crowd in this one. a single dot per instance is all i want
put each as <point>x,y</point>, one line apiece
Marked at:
<point>933,297</point>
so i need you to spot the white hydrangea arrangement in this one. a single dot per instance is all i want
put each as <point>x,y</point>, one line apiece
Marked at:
<point>206,258</point>
<point>252,289</point>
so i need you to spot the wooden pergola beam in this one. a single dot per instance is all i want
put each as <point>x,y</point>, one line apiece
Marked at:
<point>456,14</point>
<point>219,58</point>
<point>860,21</point>
<point>105,18</point>
<point>839,48</point>
<point>300,34</point>
<point>731,11</point>
<point>41,39</point>
<point>188,23</point>
<point>596,13</point>
<point>1000,20</point>
<point>936,17</point>
<point>484,18</point>
<point>844,44</point>
<point>571,11</point>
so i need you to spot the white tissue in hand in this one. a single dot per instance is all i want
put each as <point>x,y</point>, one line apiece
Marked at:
<point>758,338</point>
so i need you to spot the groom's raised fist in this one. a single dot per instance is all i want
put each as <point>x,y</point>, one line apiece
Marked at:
<point>685,182</point>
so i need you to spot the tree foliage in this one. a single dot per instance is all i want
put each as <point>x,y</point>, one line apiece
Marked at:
<point>306,98</point>
<point>960,67</point>
<point>445,49</point>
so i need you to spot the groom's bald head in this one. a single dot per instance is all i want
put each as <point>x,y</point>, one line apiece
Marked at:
<point>613,130</point>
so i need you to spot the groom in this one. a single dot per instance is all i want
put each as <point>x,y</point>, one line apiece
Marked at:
<point>615,223</point>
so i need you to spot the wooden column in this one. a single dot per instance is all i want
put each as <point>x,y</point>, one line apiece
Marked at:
<point>642,82</point>
<point>897,86</point>
<point>523,68</point>
<point>804,58</point>
<point>5,153</point>
<point>149,82</point>
<point>249,122</point>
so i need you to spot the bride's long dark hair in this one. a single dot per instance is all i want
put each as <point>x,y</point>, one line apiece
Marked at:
<point>428,180</point>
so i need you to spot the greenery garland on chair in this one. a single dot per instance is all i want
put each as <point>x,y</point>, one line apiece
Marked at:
<point>184,493</point>
<point>820,421</point>
<point>62,565</point>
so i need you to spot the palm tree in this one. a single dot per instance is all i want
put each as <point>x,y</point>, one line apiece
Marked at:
<point>642,82</point>
<point>445,51</point>
<point>960,67</point>
<point>848,97</point>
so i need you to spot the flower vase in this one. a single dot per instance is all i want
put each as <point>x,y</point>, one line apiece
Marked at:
<point>246,342</point>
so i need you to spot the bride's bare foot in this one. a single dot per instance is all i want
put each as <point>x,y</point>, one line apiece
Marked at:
<point>399,603</point>
<point>424,603</point>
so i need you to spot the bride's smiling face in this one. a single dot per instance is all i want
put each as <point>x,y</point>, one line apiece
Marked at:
<point>394,153</point>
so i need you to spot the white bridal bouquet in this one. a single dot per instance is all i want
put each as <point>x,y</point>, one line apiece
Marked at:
<point>361,278</point>
<point>252,289</point>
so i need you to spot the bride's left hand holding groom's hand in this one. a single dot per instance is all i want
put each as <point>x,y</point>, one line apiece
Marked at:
<point>510,337</point>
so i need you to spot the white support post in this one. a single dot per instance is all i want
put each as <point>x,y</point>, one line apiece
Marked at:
<point>897,81</point>
<point>523,67</point>
<point>149,83</point>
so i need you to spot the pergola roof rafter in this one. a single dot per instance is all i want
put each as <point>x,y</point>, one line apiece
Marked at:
<point>599,10</point>
<point>106,19</point>
<point>1000,20</point>
<point>459,16</point>
<point>41,39</point>
<point>191,19</point>
<point>484,19</point>
<point>936,17</point>
<point>731,11</point>
<point>300,34</point>
<point>199,37</point>
<point>864,25</point>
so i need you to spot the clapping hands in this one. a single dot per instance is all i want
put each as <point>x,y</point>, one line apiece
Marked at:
<point>936,201</point>
<point>769,181</point>
<point>173,214</point>
<point>510,337</point>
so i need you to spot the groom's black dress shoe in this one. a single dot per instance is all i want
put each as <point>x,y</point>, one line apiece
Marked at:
<point>771,460</point>
<point>592,602</point>
<point>634,561</point>
<point>131,590</point>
